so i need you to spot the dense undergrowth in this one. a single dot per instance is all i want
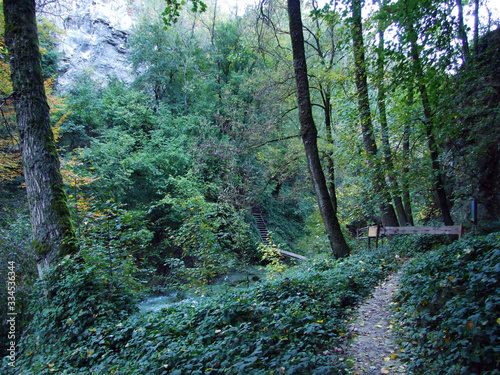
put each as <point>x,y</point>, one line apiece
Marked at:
<point>285,325</point>
<point>450,309</point>
<point>84,322</point>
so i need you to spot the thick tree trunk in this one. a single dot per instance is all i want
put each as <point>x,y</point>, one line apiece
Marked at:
<point>429,124</point>
<point>386,147</point>
<point>53,234</point>
<point>309,134</point>
<point>387,210</point>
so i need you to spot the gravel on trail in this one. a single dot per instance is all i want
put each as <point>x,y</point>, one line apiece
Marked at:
<point>373,349</point>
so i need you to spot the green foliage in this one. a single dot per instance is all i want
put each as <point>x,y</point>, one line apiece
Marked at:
<point>172,11</point>
<point>286,216</point>
<point>414,244</point>
<point>15,257</point>
<point>211,235</point>
<point>448,305</point>
<point>163,172</point>
<point>271,255</point>
<point>47,34</point>
<point>288,326</point>
<point>115,241</point>
<point>73,305</point>
<point>315,238</point>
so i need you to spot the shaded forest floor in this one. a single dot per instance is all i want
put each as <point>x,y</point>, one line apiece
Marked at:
<point>373,349</point>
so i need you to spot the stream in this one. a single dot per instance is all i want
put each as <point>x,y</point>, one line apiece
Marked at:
<point>233,279</point>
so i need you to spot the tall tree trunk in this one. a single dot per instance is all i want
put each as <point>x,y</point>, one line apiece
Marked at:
<point>476,27</point>
<point>330,165</point>
<point>309,134</point>
<point>326,97</point>
<point>384,128</point>
<point>406,169</point>
<point>429,125</point>
<point>387,210</point>
<point>53,234</point>
<point>461,32</point>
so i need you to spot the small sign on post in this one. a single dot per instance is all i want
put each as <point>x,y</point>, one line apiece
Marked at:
<point>373,232</point>
<point>473,212</point>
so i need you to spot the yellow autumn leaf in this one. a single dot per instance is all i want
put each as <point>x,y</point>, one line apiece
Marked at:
<point>498,320</point>
<point>387,359</point>
<point>384,371</point>
<point>92,329</point>
<point>51,364</point>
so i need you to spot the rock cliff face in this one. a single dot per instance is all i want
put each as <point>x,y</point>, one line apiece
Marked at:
<point>94,38</point>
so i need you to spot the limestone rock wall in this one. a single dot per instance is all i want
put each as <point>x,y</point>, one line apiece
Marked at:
<point>94,38</point>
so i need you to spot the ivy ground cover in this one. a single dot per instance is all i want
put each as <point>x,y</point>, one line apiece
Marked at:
<point>450,309</point>
<point>287,325</point>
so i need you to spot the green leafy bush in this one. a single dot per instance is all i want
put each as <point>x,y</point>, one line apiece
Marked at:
<point>449,307</point>
<point>68,307</point>
<point>414,244</point>
<point>15,258</point>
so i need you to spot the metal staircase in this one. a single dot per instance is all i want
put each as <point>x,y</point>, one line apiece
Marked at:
<point>264,233</point>
<point>261,225</point>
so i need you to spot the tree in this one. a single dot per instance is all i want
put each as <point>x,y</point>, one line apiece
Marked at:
<point>325,84</point>
<point>384,127</point>
<point>53,234</point>
<point>462,32</point>
<point>309,134</point>
<point>406,170</point>
<point>429,119</point>
<point>387,210</point>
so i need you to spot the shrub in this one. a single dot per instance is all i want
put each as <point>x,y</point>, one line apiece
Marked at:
<point>449,302</point>
<point>414,244</point>
<point>71,307</point>
<point>15,256</point>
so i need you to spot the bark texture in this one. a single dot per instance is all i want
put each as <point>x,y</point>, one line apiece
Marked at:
<point>309,134</point>
<point>53,234</point>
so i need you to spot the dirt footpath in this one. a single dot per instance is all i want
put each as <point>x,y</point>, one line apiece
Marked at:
<point>373,349</point>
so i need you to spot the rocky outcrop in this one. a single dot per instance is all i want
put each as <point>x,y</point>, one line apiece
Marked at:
<point>94,38</point>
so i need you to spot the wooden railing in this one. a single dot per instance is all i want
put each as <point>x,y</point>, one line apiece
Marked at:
<point>378,231</point>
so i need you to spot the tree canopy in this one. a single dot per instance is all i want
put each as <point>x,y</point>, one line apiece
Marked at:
<point>240,138</point>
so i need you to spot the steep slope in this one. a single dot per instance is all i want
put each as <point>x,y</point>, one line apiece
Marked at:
<point>93,39</point>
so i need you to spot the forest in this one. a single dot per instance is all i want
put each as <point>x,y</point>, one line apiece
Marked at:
<point>244,136</point>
